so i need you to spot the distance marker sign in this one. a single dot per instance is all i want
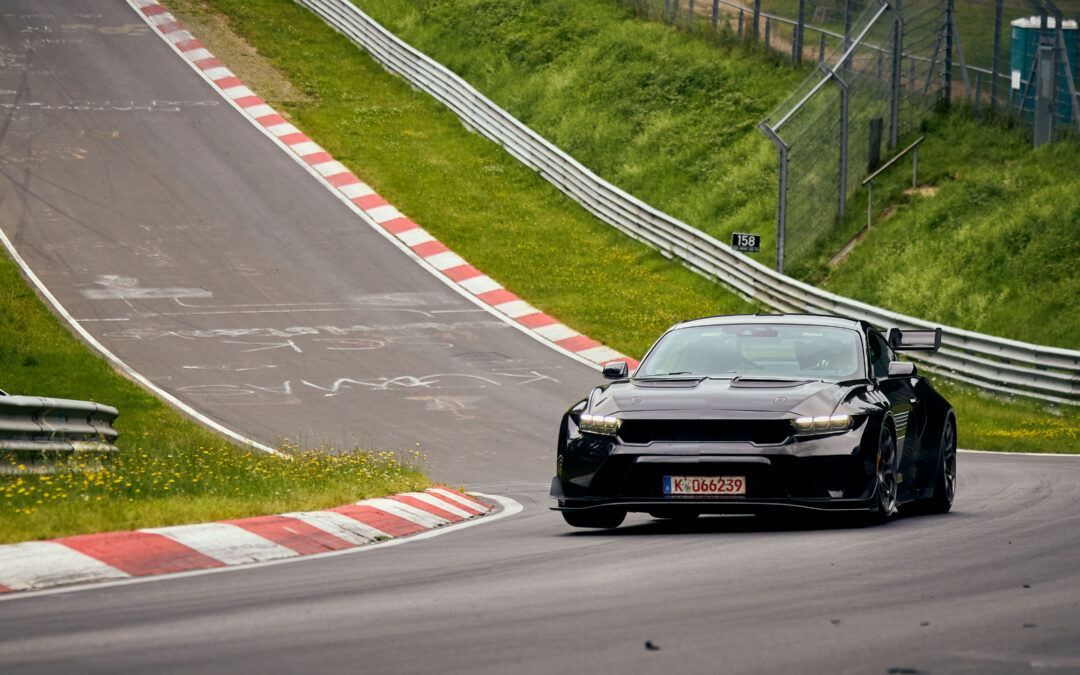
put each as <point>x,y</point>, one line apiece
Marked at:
<point>745,242</point>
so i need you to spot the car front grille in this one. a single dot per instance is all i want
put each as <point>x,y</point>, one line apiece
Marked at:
<point>759,432</point>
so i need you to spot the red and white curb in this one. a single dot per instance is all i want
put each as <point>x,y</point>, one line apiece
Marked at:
<point>161,550</point>
<point>440,259</point>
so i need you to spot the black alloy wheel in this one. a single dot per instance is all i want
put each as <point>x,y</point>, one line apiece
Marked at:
<point>886,477</point>
<point>945,484</point>
<point>595,518</point>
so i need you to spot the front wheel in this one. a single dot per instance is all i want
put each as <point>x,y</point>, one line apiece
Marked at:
<point>886,477</point>
<point>595,518</point>
<point>945,483</point>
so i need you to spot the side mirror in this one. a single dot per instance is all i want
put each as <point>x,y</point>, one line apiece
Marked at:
<point>616,370</point>
<point>901,368</point>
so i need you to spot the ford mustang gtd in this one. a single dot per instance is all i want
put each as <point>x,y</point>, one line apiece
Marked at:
<point>759,413</point>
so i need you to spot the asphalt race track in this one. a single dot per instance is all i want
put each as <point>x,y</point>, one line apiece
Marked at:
<point>210,261</point>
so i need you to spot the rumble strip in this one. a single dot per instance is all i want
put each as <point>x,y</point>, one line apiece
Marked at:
<point>160,550</point>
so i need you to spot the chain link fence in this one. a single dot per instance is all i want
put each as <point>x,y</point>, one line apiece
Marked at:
<point>882,67</point>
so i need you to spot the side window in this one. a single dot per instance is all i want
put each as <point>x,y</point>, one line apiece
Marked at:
<point>880,354</point>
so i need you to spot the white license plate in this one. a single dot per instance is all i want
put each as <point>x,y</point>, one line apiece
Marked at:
<point>704,485</point>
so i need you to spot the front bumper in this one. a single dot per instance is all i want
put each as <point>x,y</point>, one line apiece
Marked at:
<point>829,473</point>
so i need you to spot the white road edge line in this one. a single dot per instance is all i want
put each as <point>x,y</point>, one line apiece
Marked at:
<point>510,507</point>
<point>1005,453</point>
<point>119,363</point>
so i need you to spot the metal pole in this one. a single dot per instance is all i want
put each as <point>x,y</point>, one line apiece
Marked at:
<point>797,39</point>
<point>947,93</point>
<point>897,70</point>
<point>740,22</point>
<point>757,18</point>
<point>781,198</point>
<point>869,203</point>
<point>978,93</point>
<point>821,50</point>
<point>915,169</point>
<point>843,148</point>
<point>716,13</point>
<point>849,9</point>
<point>768,25</point>
<point>997,55</point>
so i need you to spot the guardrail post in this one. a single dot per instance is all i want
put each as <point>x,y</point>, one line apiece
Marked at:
<point>768,25</point>
<point>740,24</point>
<point>716,13</point>
<point>821,50</point>
<point>757,18</point>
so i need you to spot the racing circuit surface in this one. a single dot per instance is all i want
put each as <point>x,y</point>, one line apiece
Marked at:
<point>208,259</point>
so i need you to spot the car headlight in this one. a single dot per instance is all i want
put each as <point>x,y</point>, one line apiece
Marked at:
<point>599,424</point>
<point>821,424</point>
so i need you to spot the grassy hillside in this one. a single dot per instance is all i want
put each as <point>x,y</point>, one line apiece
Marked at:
<point>670,118</point>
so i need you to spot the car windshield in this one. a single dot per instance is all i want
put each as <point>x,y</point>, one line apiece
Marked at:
<point>756,350</point>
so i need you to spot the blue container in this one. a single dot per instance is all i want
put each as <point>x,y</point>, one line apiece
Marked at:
<point>1024,50</point>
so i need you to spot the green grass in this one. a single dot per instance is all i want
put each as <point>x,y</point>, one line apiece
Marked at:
<point>995,249</point>
<point>517,228</point>
<point>169,470</point>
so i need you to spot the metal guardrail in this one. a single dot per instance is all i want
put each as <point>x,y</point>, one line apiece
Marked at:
<point>39,433</point>
<point>992,363</point>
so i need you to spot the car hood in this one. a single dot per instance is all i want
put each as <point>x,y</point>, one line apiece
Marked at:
<point>719,398</point>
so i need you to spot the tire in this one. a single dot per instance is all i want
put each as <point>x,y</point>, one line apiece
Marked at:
<point>885,494</point>
<point>595,518</point>
<point>945,483</point>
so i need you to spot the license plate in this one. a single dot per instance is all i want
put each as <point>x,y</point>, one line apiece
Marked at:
<point>704,485</point>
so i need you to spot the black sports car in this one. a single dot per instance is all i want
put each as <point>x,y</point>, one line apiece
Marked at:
<point>758,413</point>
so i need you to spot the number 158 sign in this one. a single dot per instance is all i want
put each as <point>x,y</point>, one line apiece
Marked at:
<point>746,242</point>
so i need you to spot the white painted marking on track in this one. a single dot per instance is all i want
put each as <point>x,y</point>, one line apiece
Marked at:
<point>481,284</point>
<point>355,190</point>
<point>415,236</point>
<point>230,544</point>
<point>406,511</point>
<point>556,332</point>
<point>440,504</point>
<point>446,260</point>
<point>510,507</point>
<point>457,497</point>
<point>382,214</point>
<point>283,129</point>
<point>339,525</point>
<point>257,111</point>
<point>33,564</point>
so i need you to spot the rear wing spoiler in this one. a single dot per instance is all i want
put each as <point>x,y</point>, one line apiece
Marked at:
<point>915,340</point>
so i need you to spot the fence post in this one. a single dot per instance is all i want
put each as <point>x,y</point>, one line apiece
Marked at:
<point>897,73</point>
<point>843,147</point>
<point>740,23</point>
<point>797,37</point>
<point>821,50</point>
<point>781,195</point>
<point>716,13</point>
<point>757,18</point>
<point>768,24</point>
<point>997,56</point>
<point>947,88</point>
<point>849,9</point>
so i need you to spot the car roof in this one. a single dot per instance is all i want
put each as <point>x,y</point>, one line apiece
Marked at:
<point>786,319</point>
